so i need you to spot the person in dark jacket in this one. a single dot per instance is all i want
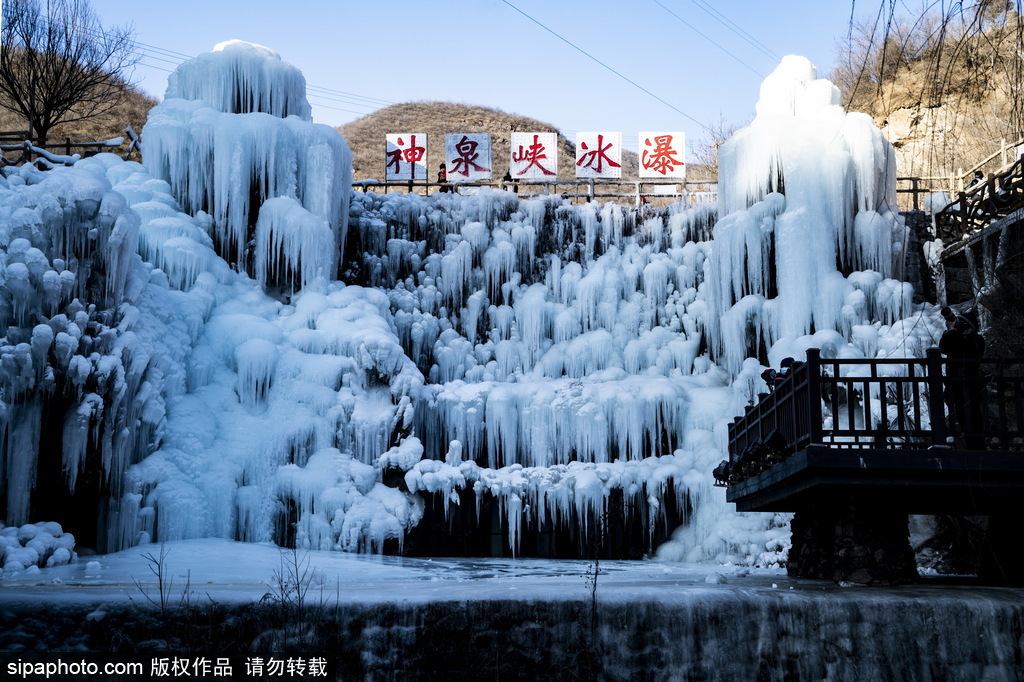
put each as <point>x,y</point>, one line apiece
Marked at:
<point>963,346</point>
<point>442,179</point>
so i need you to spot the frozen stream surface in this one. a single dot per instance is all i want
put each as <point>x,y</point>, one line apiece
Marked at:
<point>397,618</point>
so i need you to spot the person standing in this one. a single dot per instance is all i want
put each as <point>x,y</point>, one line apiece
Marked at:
<point>442,179</point>
<point>963,347</point>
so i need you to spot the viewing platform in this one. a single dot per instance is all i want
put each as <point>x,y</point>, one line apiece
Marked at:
<point>848,444</point>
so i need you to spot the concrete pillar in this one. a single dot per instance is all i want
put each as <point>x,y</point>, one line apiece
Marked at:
<point>851,541</point>
<point>1002,555</point>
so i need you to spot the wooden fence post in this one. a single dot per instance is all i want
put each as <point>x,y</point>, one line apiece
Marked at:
<point>814,396</point>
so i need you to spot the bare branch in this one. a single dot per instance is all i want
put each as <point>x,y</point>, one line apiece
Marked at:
<point>58,64</point>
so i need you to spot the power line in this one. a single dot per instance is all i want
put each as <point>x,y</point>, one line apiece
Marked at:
<point>342,93</point>
<point>145,54</point>
<point>707,38</point>
<point>351,111</point>
<point>728,23</point>
<point>181,56</point>
<point>592,57</point>
<point>155,53</point>
<point>154,66</point>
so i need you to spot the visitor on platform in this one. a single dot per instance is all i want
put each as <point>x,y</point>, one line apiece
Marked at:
<point>963,347</point>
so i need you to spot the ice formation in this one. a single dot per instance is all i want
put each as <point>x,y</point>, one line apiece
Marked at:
<point>182,327</point>
<point>240,78</point>
<point>233,135</point>
<point>807,194</point>
<point>34,546</point>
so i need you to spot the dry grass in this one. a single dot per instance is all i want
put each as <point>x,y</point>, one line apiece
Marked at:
<point>132,111</point>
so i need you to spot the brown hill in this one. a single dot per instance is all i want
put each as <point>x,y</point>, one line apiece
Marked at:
<point>366,136</point>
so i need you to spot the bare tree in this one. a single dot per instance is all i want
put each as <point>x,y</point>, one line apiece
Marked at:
<point>59,65</point>
<point>949,72</point>
<point>705,150</point>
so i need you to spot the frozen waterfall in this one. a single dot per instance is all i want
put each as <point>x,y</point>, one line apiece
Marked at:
<point>181,359</point>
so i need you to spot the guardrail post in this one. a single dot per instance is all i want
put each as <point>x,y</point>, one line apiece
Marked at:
<point>814,395</point>
<point>936,404</point>
<point>963,215</point>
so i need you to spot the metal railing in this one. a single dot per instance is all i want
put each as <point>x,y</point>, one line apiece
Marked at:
<point>637,191</point>
<point>882,404</point>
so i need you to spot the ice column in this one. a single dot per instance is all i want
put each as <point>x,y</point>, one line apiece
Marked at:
<point>234,132</point>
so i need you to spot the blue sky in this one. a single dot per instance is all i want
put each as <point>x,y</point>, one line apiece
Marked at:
<point>486,52</point>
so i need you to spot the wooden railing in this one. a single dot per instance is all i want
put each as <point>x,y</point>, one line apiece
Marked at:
<point>882,404</point>
<point>975,208</point>
<point>58,153</point>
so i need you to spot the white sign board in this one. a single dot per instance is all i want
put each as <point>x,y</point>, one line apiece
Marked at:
<point>468,156</point>
<point>663,155</point>
<point>598,155</point>
<point>406,157</point>
<point>534,156</point>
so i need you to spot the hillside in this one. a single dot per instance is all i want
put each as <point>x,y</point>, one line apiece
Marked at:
<point>131,111</point>
<point>946,91</point>
<point>366,136</point>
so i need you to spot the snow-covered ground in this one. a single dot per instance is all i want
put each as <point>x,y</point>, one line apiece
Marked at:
<point>244,572</point>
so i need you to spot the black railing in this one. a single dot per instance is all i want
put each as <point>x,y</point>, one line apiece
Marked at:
<point>881,404</point>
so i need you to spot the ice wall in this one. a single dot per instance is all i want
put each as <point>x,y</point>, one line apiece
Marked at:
<point>810,239</point>
<point>150,390</point>
<point>233,133</point>
<point>562,350</point>
<point>184,322</point>
<point>574,352</point>
<point>72,372</point>
<point>273,415</point>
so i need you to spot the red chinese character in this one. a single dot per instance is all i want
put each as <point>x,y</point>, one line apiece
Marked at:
<point>410,154</point>
<point>534,153</point>
<point>599,155</point>
<point>663,159</point>
<point>395,159</point>
<point>466,149</point>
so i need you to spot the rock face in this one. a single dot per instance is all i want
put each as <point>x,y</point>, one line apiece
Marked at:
<point>947,96</point>
<point>943,142</point>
